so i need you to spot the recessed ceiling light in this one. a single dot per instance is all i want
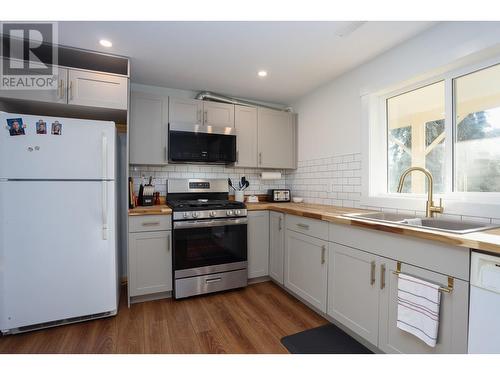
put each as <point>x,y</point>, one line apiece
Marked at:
<point>262,73</point>
<point>105,43</point>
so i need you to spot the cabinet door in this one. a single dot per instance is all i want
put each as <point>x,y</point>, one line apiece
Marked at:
<point>245,122</point>
<point>58,95</point>
<point>148,129</point>
<point>453,319</point>
<point>306,268</point>
<point>97,90</point>
<point>218,114</point>
<point>150,262</point>
<point>276,139</point>
<point>258,244</point>
<point>353,294</point>
<point>276,246</point>
<point>185,111</point>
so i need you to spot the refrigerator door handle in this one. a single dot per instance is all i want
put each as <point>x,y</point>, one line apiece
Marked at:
<point>104,156</point>
<point>104,210</point>
<point>104,187</point>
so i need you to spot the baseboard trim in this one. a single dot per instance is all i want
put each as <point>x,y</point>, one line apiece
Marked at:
<point>257,280</point>
<point>150,297</point>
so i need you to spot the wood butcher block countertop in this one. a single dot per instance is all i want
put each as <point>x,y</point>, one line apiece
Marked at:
<point>484,240</point>
<point>488,240</point>
<point>150,210</point>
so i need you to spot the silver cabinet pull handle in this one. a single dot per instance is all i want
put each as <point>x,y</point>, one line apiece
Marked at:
<point>323,254</point>
<point>372,272</point>
<point>168,243</point>
<point>382,276</point>
<point>303,226</point>
<point>150,223</point>
<point>71,90</point>
<point>211,281</point>
<point>205,117</point>
<point>260,157</point>
<point>198,115</point>
<point>280,225</point>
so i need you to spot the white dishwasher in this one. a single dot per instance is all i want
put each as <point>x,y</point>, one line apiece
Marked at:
<point>484,319</point>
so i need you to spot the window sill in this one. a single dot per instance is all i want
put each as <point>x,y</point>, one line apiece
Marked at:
<point>456,204</point>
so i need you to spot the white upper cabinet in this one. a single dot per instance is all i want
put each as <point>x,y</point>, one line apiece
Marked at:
<point>218,114</point>
<point>148,129</point>
<point>183,110</point>
<point>245,122</point>
<point>97,89</point>
<point>59,95</point>
<point>276,139</point>
<point>193,111</point>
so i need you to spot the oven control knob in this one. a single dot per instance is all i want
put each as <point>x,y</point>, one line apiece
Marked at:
<point>237,212</point>
<point>195,214</point>
<point>212,213</point>
<point>185,215</point>
<point>229,213</point>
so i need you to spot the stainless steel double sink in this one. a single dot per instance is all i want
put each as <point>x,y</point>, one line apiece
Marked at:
<point>439,224</point>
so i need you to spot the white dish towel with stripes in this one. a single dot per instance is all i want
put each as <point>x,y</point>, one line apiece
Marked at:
<point>418,308</point>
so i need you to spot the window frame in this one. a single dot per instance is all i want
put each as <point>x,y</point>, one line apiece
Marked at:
<point>375,141</point>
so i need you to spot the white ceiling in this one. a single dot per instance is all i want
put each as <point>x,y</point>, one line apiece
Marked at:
<point>225,56</point>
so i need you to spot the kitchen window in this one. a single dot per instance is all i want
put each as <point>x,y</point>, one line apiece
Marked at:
<point>448,123</point>
<point>477,131</point>
<point>415,137</point>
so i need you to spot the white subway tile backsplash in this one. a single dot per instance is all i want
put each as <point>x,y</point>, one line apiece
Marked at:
<point>333,180</point>
<point>162,173</point>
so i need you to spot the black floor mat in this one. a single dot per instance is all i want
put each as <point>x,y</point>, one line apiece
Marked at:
<point>327,339</point>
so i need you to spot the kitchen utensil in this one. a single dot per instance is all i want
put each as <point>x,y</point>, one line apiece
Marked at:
<point>239,196</point>
<point>230,183</point>
<point>148,193</point>
<point>247,184</point>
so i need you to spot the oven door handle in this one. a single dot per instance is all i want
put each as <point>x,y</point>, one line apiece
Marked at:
<point>209,223</point>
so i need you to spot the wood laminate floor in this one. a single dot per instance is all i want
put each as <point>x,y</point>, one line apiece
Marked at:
<point>250,320</point>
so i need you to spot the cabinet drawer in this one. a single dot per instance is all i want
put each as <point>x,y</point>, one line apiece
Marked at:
<point>311,227</point>
<point>149,223</point>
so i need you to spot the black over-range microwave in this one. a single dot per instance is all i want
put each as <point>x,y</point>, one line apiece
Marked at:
<point>195,143</point>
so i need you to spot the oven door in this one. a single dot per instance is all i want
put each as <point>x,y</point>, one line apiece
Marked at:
<point>208,246</point>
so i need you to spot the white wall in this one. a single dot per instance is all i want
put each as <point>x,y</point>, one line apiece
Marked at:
<point>330,116</point>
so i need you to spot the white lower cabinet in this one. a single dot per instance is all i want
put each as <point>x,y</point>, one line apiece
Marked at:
<point>276,246</point>
<point>150,257</point>
<point>452,334</point>
<point>306,268</point>
<point>258,244</point>
<point>363,296</point>
<point>353,294</point>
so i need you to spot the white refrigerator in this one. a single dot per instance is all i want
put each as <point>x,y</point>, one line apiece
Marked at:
<point>58,256</point>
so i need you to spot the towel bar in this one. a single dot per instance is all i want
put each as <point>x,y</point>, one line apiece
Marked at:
<point>451,281</point>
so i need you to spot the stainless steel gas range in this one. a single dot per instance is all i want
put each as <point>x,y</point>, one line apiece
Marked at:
<point>209,237</point>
